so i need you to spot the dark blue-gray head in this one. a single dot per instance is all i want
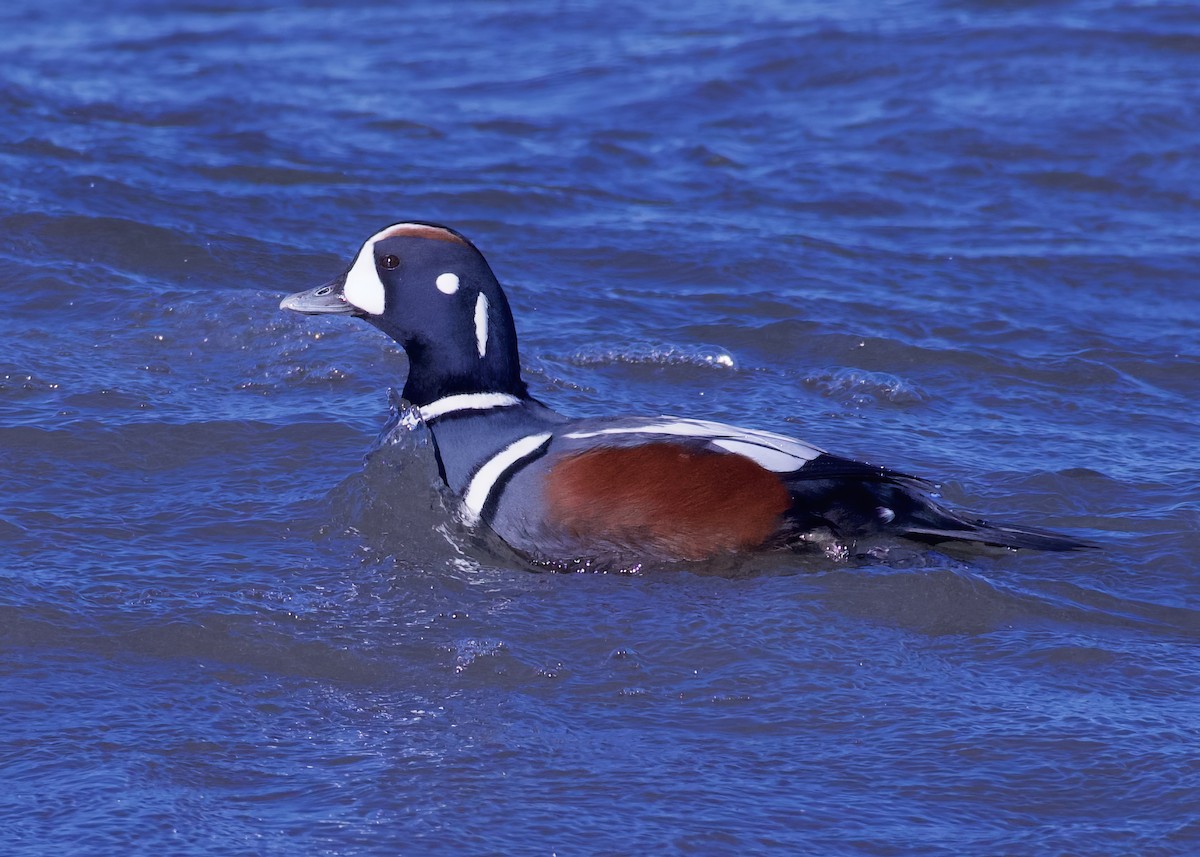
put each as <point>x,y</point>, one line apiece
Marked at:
<point>428,288</point>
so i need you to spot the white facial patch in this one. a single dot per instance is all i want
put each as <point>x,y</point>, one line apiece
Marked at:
<point>447,283</point>
<point>481,324</point>
<point>363,287</point>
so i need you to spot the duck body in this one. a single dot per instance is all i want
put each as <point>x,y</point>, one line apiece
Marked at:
<point>620,490</point>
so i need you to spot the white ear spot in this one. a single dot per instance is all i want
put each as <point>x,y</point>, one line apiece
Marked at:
<point>481,323</point>
<point>363,288</point>
<point>447,283</point>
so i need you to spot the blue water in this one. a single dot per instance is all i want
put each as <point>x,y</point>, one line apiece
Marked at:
<point>955,238</point>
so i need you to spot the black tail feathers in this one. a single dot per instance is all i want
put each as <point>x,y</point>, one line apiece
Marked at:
<point>929,521</point>
<point>1000,535</point>
<point>854,499</point>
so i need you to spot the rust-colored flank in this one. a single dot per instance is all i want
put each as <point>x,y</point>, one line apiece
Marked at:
<point>420,230</point>
<point>667,498</point>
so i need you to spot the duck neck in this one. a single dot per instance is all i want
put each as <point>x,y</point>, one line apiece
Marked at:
<point>433,376</point>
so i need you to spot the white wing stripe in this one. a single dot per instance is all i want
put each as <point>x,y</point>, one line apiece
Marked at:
<point>493,469</point>
<point>775,460</point>
<point>775,452</point>
<point>686,428</point>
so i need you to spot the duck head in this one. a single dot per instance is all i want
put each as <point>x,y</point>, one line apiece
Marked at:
<point>431,290</point>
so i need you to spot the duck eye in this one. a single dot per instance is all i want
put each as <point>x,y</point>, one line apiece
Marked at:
<point>391,263</point>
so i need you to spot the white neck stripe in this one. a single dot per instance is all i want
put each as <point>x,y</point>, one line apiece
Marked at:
<point>493,469</point>
<point>467,402</point>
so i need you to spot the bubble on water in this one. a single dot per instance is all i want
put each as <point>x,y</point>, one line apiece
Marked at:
<point>859,387</point>
<point>670,355</point>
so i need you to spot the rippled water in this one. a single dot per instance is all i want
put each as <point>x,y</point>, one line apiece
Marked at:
<point>955,238</point>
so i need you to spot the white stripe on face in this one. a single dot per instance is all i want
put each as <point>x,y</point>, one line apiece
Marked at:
<point>486,477</point>
<point>481,323</point>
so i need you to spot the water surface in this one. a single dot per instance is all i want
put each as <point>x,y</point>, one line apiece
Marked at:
<point>954,238</point>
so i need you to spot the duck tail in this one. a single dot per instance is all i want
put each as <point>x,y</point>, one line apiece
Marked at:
<point>998,535</point>
<point>852,497</point>
<point>932,522</point>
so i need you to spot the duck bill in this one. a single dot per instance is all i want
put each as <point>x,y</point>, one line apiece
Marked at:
<point>322,300</point>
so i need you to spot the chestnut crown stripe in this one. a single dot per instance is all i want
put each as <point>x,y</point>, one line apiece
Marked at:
<point>417,230</point>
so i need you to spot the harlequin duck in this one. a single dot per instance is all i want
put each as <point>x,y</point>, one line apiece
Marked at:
<point>626,489</point>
